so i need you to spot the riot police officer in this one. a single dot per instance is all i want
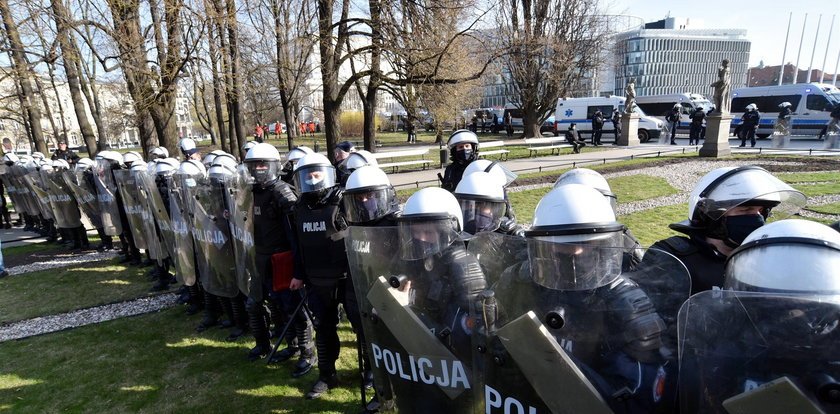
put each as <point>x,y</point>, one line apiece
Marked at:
<point>749,125</point>
<point>320,224</point>
<point>62,153</point>
<point>273,235</point>
<point>188,149</point>
<point>354,161</point>
<point>503,177</point>
<point>112,160</point>
<point>292,158</point>
<point>673,118</point>
<point>775,321</point>
<point>463,149</point>
<point>726,205</point>
<point>483,205</point>
<point>163,169</point>
<point>369,199</point>
<point>695,131</point>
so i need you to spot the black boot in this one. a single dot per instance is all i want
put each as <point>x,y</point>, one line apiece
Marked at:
<point>258,320</point>
<point>227,310</point>
<point>212,312</point>
<point>324,384</point>
<point>240,318</point>
<point>196,301</point>
<point>162,274</point>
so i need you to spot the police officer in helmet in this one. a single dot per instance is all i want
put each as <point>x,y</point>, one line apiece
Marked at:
<point>726,205</point>
<point>320,226</point>
<point>274,234</point>
<point>463,149</point>
<point>369,199</point>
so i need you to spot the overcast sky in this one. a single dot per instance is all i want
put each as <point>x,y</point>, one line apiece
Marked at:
<point>765,21</point>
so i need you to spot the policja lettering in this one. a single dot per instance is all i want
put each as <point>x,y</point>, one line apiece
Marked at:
<point>314,226</point>
<point>420,369</point>
<point>493,399</point>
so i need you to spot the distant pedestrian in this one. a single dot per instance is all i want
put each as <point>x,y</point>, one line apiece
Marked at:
<point>483,123</point>
<point>303,129</point>
<point>311,128</point>
<point>749,124</point>
<point>409,129</point>
<point>278,129</point>
<point>508,124</point>
<point>696,129</point>
<point>573,137</point>
<point>616,120</point>
<point>597,127</point>
<point>258,133</point>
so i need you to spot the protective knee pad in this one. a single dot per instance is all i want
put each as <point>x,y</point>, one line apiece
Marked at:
<point>212,305</point>
<point>257,320</point>
<point>239,314</point>
<point>196,294</point>
<point>227,307</point>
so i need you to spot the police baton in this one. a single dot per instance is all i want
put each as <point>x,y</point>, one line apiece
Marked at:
<point>300,306</point>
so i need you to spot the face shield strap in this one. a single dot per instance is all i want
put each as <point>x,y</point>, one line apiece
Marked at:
<point>718,181</point>
<point>490,167</point>
<point>576,229</point>
<point>783,240</point>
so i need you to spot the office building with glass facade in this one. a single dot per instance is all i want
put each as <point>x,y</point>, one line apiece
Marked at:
<point>665,59</point>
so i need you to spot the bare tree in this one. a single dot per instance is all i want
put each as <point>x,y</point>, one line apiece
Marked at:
<point>552,45</point>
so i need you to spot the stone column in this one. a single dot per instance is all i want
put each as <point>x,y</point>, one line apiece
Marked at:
<point>716,143</point>
<point>629,130</point>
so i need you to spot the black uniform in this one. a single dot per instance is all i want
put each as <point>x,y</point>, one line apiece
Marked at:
<point>750,121</point>
<point>597,127</point>
<point>273,234</point>
<point>573,137</point>
<point>696,130</point>
<point>320,227</point>
<point>616,120</point>
<point>673,118</point>
<point>66,155</point>
<point>705,264</point>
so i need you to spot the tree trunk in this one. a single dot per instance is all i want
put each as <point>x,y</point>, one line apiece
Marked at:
<point>373,81</point>
<point>70,54</point>
<point>531,123</point>
<point>236,82</point>
<point>279,65</point>
<point>91,92</point>
<point>43,94</point>
<point>162,109</point>
<point>58,102</point>
<point>24,75</point>
<point>217,86</point>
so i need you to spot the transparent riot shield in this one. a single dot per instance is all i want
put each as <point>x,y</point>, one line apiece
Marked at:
<point>160,212</point>
<point>665,136</point>
<point>211,232</point>
<point>127,186</point>
<point>240,202</point>
<point>63,203</point>
<point>563,328</point>
<point>416,319</point>
<point>84,191</point>
<point>30,202</point>
<point>832,135</point>
<point>180,220</point>
<point>39,192</point>
<point>106,195</point>
<point>10,184</point>
<point>747,352</point>
<point>154,243</point>
<point>781,133</point>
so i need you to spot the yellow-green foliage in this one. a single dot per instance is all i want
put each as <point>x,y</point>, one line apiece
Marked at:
<point>353,123</point>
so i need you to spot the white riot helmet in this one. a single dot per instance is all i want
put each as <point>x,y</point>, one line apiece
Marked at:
<point>724,189</point>
<point>248,145</point>
<point>112,157</point>
<point>368,195</point>
<point>462,136</point>
<point>358,160</point>
<point>788,256</point>
<point>38,155</point>
<point>263,162</point>
<point>10,158</point>
<point>314,173</point>
<point>159,152</point>
<point>784,105</point>
<point>60,165</point>
<point>131,156</point>
<point>294,155</point>
<point>139,166</point>
<point>677,106</point>
<point>208,159</point>
<point>45,162</point>
<point>751,107</point>
<point>220,171</point>
<point>226,160</point>
<point>166,166</point>
<point>187,146</point>
<point>575,241</point>
<point>482,201</point>
<point>151,166</point>
<point>431,221</point>
<point>192,167</point>
<point>589,178</point>
<point>497,171</point>
<point>84,164</point>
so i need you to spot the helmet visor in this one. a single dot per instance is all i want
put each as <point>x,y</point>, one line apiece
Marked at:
<point>481,215</point>
<point>769,268</point>
<point>314,177</point>
<point>263,171</point>
<point>366,205</point>
<point>576,266</point>
<point>424,237</point>
<point>751,187</point>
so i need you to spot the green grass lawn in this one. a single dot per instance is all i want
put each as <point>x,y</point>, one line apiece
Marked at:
<point>640,187</point>
<point>809,177</point>
<point>60,290</point>
<point>650,226</point>
<point>818,189</point>
<point>155,363</point>
<point>833,208</point>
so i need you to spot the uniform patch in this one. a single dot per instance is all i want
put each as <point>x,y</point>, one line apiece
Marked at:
<point>659,384</point>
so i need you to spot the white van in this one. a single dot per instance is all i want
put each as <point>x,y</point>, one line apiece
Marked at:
<point>580,111</point>
<point>811,104</point>
<point>658,106</point>
<point>516,119</point>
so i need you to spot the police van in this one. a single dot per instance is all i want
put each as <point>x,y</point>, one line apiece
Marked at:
<point>658,106</point>
<point>811,104</point>
<point>580,111</point>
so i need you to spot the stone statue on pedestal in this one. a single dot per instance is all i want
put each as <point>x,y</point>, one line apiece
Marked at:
<point>630,96</point>
<point>723,88</point>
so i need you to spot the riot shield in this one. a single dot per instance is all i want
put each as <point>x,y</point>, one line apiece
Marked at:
<point>665,136</point>
<point>832,135</point>
<point>127,186</point>
<point>416,328</point>
<point>211,232</point>
<point>159,209</point>
<point>9,183</point>
<point>564,329</point>
<point>154,244</point>
<point>67,215</point>
<point>30,202</point>
<point>748,352</point>
<point>106,195</point>
<point>39,192</point>
<point>182,229</point>
<point>85,193</point>
<point>240,200</point>
<point>781,133</point>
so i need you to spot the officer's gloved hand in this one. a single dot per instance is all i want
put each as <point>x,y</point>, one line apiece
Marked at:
<point>508,226</point>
